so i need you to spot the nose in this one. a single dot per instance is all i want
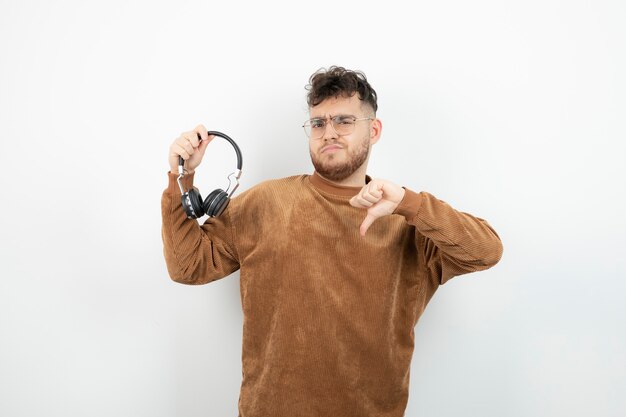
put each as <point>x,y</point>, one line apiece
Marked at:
<point>329,133</point>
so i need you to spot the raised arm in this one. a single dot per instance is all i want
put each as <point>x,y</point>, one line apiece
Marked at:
<point>194,254</point>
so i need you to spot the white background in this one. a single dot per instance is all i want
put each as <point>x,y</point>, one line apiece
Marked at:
<point>512,111</point>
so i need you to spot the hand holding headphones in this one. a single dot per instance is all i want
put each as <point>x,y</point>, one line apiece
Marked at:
<point>190,147</point>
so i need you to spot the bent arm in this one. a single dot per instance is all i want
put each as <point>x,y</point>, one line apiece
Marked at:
<point>452,242</point>
<point>195,254</point>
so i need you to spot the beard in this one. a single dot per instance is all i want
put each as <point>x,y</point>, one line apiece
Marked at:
<point>330,167</point>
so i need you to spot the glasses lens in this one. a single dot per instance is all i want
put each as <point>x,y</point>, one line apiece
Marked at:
<point>307,129</point>
<point>344,125</point>
<point>314,128</point>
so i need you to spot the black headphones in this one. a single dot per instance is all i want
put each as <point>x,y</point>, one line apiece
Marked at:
<point>217,201</point>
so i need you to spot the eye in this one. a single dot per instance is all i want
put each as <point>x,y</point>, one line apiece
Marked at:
<point>344,120</point>
<point>317,123</point>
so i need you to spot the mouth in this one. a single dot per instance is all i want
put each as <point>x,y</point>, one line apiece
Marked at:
<point>331,148</point>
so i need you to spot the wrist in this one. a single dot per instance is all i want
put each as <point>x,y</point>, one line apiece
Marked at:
<point>186,182</point>
<point>186,172</point>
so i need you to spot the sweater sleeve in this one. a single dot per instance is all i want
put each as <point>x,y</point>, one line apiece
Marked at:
<point>195,254</point>
<point>452,242</point>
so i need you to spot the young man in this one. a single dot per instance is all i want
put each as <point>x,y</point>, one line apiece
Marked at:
<point>336,267</point>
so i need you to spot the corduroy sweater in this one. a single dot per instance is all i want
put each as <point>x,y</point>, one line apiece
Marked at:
<point>328,314</point>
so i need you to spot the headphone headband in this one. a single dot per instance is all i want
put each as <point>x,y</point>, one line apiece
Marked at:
<point>217,201</point>
<point>181,161</point>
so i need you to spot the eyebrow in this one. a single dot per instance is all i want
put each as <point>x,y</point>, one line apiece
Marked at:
<point>337,115</point>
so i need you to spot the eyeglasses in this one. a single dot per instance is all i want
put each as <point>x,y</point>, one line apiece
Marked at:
<point>342,124</point>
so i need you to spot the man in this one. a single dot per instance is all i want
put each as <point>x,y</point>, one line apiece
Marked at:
<point>336,267</point>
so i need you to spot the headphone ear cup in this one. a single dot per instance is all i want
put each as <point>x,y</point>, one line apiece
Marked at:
<point>222,203</point>
<point>216,202</point>
<point>193,207</point>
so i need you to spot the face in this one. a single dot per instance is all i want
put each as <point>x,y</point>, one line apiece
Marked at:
<point>353,151</point>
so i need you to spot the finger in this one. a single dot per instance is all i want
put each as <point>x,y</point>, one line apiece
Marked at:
<point>180,151</point>
<point>375,188</point>
<point>203,145</point>
<point>363,202</point>
<point>183,140</point>
<point>370,198</point>
<point>369,219</point>
<point>201,130</point>
<point>193,138</point>
<point>187,146</point>
<point>358,201</point>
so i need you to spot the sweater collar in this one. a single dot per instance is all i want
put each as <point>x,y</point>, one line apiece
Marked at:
<point>330,187</point>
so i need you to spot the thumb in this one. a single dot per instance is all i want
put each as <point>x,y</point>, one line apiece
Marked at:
<point>369,219</point>
<point>203,145</point>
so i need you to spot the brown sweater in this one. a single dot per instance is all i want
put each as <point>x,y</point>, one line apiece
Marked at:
<point>328,314</point>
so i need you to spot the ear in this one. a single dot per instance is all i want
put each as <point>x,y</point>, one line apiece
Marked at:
<point>376,129</point>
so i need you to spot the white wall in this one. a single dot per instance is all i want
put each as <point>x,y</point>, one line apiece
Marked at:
<point>512,111</point>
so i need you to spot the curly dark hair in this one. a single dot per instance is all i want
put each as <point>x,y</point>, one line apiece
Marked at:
<point>338,81</point>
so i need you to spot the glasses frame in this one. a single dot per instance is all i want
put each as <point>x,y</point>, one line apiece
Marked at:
<point>326,119</point>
